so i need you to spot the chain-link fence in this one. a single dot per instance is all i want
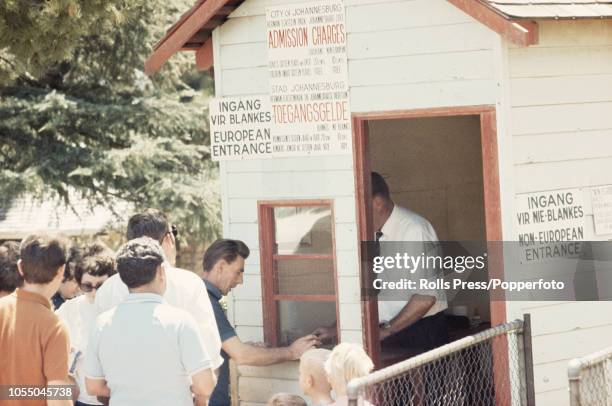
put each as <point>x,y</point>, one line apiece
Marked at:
<point>488,368</point>
<point>590,379</point>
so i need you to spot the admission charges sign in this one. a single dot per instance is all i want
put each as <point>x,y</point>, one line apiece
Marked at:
<point>307,111</point>
<point>307,61</point>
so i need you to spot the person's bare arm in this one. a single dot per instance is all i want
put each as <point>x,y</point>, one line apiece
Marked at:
<point>203,384</point>
<point>97,387</point>
<point>415,309</point>
<point>58,402</point>
<point>75,390</point>
<point>245,354</point>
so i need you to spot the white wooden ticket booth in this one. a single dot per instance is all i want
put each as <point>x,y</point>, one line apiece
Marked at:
<point>466,106</point>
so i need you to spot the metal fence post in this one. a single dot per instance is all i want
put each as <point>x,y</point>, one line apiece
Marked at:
<point>528,358</point>
<point>573,374</point>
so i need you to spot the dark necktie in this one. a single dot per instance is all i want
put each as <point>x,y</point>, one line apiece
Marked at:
<point>379,234</point>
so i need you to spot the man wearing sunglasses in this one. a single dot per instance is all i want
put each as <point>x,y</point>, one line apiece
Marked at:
<point>184,289</point>
<point>96,265</point>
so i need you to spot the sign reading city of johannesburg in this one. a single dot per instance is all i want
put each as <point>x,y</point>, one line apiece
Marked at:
<point>240,128</point>
<point>601,198</point>
<point>307,62</point>
<point>550,224</point>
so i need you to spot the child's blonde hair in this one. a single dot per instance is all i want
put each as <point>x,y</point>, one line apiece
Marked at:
<point>348,361</point>
<point>286,399</point>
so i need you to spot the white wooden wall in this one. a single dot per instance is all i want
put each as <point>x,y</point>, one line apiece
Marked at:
<point>554,131</point>
<point>559,113</point>
<point>402,55</point>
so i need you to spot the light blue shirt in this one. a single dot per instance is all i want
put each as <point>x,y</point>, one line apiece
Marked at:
<point>146,350</point>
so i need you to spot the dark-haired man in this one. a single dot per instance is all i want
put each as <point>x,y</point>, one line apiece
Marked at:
<point>33,342</point>
<point>416,321</point>
<point>223,265</point>
<point>9,275</point>
<point>69,288</point>
<point>95,266</point>
<point>143,351</point>
<point>184,288</point>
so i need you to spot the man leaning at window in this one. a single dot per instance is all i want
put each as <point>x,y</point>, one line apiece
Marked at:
<point>223,269</point>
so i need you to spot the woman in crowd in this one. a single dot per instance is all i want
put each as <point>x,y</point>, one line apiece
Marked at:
<point>96,265</point>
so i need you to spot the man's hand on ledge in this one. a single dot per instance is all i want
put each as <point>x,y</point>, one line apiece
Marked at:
<point>326,334</point>
<point>303,344</point>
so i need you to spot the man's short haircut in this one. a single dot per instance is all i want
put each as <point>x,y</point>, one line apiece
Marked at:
<point>286,399</point>
<point>150,223</point>
<point>379,186</point>
<point>41,257</point>
<point>348,361</point>
<point>74,256</point>
<point>96,260</point>
<point>138,260</point>
<point>9,275</point>
<point>225,249</point>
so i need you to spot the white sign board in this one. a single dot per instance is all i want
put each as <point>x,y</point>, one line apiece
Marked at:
<point>240,128</point>
<point>601,198</point>
<point>307,61</point>
<point>554,218</point>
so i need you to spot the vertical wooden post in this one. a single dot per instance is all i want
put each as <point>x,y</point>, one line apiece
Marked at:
<point>369,305</point>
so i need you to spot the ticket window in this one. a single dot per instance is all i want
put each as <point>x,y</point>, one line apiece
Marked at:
<point>298,268</point>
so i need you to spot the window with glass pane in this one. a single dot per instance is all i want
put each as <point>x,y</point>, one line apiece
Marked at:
<point>298,268</point>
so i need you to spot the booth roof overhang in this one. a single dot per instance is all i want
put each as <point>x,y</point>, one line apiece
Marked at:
<point>512,19</point>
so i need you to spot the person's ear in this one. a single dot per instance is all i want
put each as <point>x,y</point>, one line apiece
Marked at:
<point>166,240</point>
<point>220,265</point>
<point>161,273</point>
<point>60,271</point>
<point>309,381</point>
<point>20,268</point>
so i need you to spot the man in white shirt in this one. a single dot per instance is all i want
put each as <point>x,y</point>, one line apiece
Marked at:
<point>184,289</point>
<point>143,351</point>
<point>417,321</point>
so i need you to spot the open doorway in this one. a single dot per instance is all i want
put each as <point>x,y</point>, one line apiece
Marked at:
<point>442,165</point>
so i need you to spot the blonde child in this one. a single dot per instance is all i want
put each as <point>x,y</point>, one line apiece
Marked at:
<point>313,379</point>
<point>347,361</point>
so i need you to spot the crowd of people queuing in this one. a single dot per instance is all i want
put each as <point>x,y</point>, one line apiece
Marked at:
<point>129,328</point>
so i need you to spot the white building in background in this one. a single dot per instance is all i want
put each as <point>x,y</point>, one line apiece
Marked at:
<point>27,215</point>
<point>467,106</point>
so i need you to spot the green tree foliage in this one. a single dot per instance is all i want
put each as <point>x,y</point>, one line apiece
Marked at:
<point>37,33</point>
<point>87,119</point>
